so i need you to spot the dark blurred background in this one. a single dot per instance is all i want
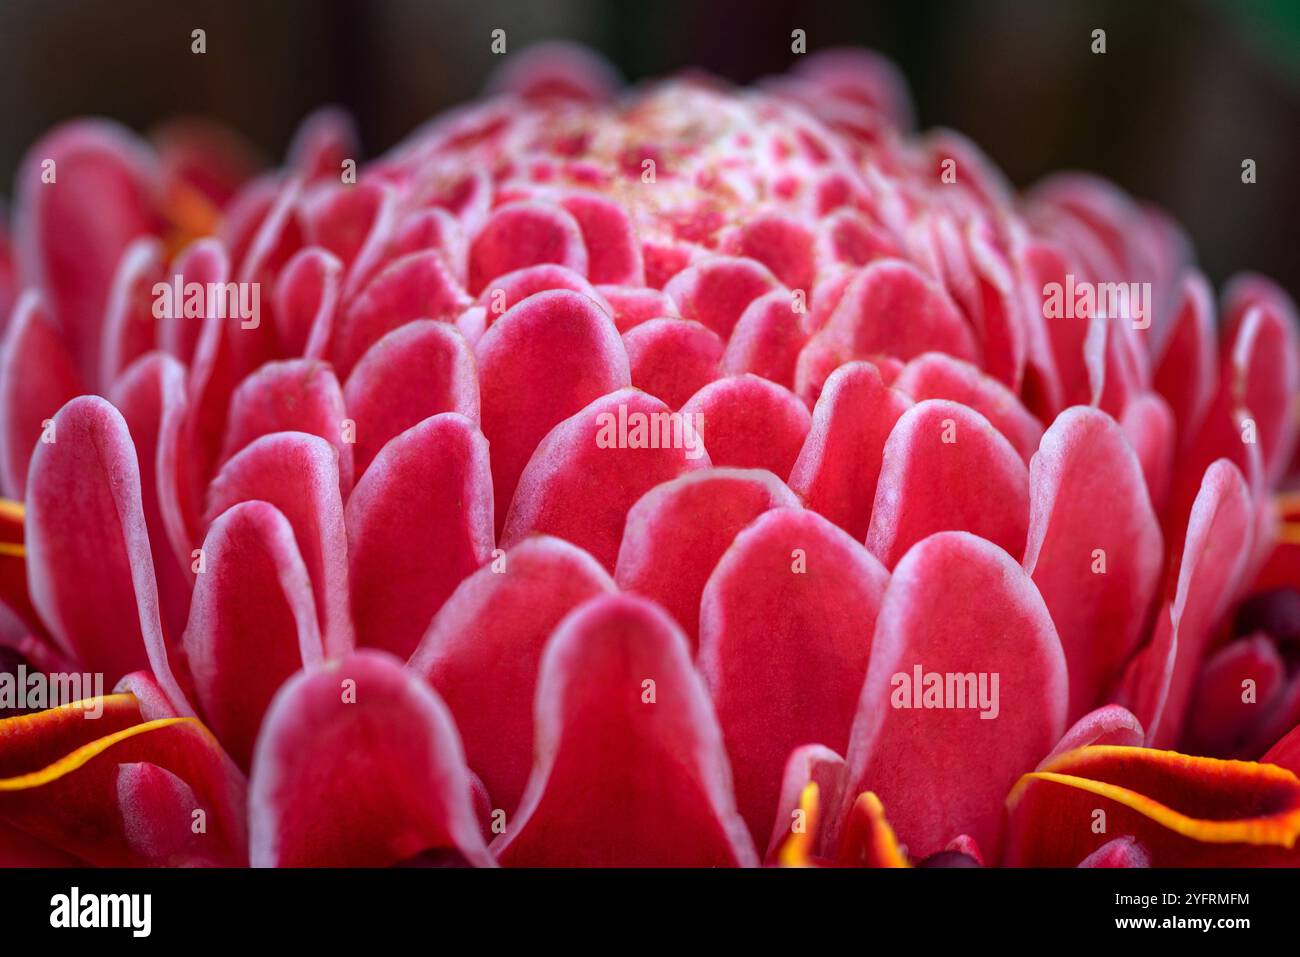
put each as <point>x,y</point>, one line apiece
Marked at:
<point>1186,90</point>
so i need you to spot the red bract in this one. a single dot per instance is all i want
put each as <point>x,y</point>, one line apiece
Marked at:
<point>688,477</point>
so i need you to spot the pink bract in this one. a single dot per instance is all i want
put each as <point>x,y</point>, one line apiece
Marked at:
<point>680,476</point>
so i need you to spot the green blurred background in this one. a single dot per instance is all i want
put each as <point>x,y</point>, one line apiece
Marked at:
<point>1186,90</point>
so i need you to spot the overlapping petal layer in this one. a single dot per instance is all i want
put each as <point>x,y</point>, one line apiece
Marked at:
<point>679,442</point>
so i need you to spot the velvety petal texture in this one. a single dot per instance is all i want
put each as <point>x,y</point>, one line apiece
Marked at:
<point>1095,549</point>
<point>867,319</point>
<point>525,234</point>
<point>937,376</point>
<point>419,370</point>
<point>716,291</point>
<point>419,522</point>
<point>418,286</point>
<point>677,532</point>
<point>785,634</point>
<point>839,464</point>
<point>1213,560</point>
<point>296,396</point>
<point>540,363</point>
<point>252,621</point>
<point>151,397</point>
<point>672,358</point>
<point>37,376</point>
<point>359,765</point>
<point>482,649</point>
<point>767,339</point>
<point>298,474</point>
<point>749,422</point>
<point>592,467</point>
<point>629,767</point>
<point>945,467</point>
<point>306,299</point>
<point>965,691</point>
<point>90,568</point>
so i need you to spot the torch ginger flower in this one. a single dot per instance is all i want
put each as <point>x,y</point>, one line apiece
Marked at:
<point>946,577</point>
